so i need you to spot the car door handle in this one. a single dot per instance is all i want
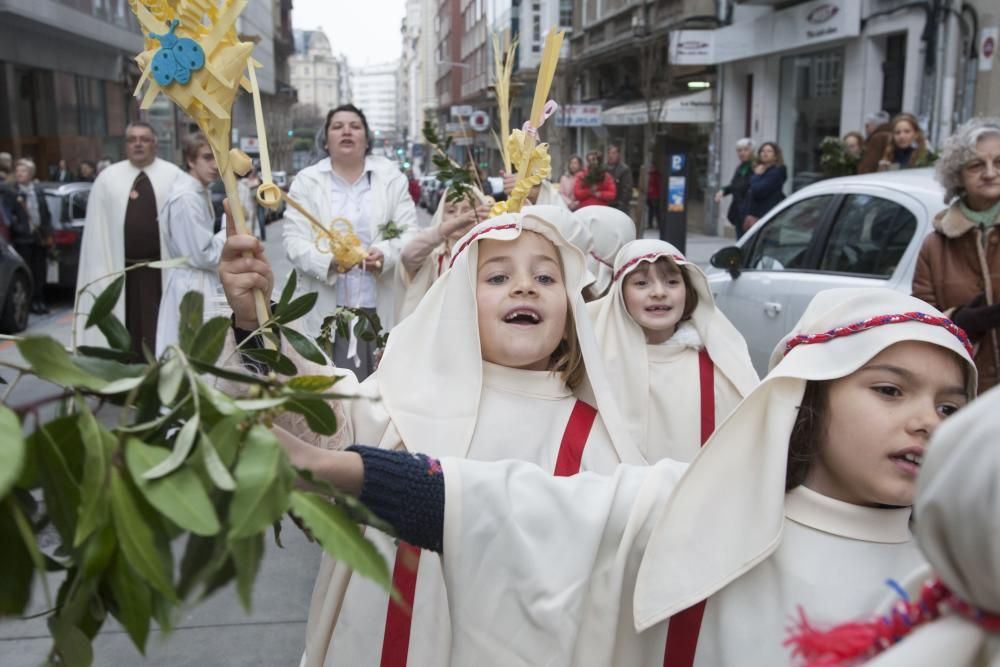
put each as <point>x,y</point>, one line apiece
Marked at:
<point>772,308</point>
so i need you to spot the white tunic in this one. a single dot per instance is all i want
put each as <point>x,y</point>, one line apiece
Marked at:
<point>584,537</point>
<point>186,222</point>
<point>522,415</point>
<point>102,250</point>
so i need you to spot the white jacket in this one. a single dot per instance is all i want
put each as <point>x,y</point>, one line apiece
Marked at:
<point>390,200</point>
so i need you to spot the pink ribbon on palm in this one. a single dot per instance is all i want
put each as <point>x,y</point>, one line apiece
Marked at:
<point>550,108</point>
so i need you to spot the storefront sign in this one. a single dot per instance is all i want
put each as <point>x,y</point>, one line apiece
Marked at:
<point>800,26</point>
<point>479,121</point>
<point>987,48</point>
<point>693,108</point>
<point>249,145</point>
<point>461,111</point>
<point>579,115</point>
<point>675,194</point>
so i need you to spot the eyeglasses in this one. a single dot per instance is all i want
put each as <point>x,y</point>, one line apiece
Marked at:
<point>139,140</point>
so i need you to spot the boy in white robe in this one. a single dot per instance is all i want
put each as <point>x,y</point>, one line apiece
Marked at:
<point>671,355</point>
<point>590,570</point>
<point>439,392</point>
<point>102,249</point>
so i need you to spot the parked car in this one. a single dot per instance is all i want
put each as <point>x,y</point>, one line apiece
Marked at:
<point>15,290</point>
<point>856,231</point>
<point>68,211</point>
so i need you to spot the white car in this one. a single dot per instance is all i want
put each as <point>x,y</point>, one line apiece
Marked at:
<point>856,231</point>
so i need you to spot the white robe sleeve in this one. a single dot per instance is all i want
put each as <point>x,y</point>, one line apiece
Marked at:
<point>299,238</point>
<point>403,213</point>
<point>191,234</point>
<point>531,559</point>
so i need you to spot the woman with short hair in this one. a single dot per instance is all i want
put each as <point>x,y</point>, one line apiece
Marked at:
<point>31,235</point>
<point>958,269</point>
<point>738,185</point>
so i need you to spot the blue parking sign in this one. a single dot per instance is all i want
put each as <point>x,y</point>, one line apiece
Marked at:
<point>677,163</point>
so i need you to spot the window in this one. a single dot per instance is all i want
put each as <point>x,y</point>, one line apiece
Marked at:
<point>869,237</point>
<point>784,241</point>
<point>565,13</point>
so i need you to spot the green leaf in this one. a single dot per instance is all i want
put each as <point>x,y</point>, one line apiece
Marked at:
<point>179,496</point>
<point>296,308</point>
<point>304,346</point>
<point>214,399</point>
<point>289,291</point>
<point>136,537</point>
<point>276,361</point>
<point>247,554</point>
<point>226,437</point>
<point>202,558</point>
<point>72,644</point>
<point>168,263</point>
<point>59,480</point>
<point>341,537</point>
<point>133,604</point>
<point>210,340</point>
<point>105,301</point>
<point>255,404</point>
<point>171,377</point>
<point>121,386</point>
<point>116,334</point>
<point>98,444</point>
<point>192,313</point>
<point>216,469</point>
<point>228,374</point>
<point>318,413</point>
<point>98,551</point>
<point>182,447</point>
<point>12,452</point>
<point>104,353</point>
<point>109,370</point>
<point>50,361</point>
<point>263,480</point>
<point>313,383</point>
<point>17,567</point>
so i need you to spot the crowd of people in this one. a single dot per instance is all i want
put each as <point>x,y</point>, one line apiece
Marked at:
<point>531,354</point>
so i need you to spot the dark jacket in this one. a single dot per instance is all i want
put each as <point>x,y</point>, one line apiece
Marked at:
<point>622,176</point>
<point>14,214</point>
<point>765,192</point>
<point>21,231</point>
<point>874,149</point>
<point>737,188</point>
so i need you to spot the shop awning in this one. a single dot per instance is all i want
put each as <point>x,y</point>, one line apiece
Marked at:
<point>692,108</point>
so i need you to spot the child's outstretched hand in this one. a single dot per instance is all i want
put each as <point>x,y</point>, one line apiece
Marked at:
<point>242,269</point>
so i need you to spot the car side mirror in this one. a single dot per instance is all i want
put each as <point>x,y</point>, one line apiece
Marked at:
<point>729,258</point>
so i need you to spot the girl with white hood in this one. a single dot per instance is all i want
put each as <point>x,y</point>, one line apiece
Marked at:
<point>498,361</point>
<point>662,337</point>
<point>800,498</point>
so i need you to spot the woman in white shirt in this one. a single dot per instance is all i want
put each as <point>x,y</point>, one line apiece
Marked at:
<point>368,192</point>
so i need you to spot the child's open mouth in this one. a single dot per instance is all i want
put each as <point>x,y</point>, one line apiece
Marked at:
<point>523,316</point>
<point>658,309</point>
<point>909,460</point>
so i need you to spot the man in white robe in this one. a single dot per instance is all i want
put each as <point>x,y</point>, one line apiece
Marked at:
<point>102,251</point>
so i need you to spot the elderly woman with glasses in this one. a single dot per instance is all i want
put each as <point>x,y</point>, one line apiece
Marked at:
<point>958,269</point>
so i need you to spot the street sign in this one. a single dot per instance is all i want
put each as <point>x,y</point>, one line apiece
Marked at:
<point>463,141</point>
<point>579,115</point>
<point>987,48</point>
<point>677,163</point>
<point>249,145</point>
<point>479,121</point>
<point>461,111</point>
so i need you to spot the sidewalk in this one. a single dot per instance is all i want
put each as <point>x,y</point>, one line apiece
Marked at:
<point>700,247</point>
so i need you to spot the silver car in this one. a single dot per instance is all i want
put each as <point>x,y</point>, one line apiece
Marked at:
<point>856,231</point>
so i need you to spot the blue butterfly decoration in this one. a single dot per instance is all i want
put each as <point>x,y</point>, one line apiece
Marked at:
<point>176,58</point>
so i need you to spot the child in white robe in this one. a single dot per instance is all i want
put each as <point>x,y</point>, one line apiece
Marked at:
<point>952,614</point>
<point>677,366</point>
<point>610,229</point>
<point>449,383</point>
<point>784,507</point>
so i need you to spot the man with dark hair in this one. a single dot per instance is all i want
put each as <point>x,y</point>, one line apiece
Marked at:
<point>622,176</point>
<point>122,229</point>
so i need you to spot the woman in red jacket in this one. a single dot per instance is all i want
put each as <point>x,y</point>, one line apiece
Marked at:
<point>594,186</point>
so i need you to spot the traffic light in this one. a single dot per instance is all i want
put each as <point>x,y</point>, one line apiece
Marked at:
<point>399,152</point>
<point>407,165</point>
<point>291,133</point>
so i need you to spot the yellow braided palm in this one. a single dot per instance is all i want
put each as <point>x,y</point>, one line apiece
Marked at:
<point>534,167</point>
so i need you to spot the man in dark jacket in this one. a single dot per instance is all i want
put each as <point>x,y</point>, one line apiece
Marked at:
<point>622,176</point>
<point>739,185</point>
<point>878,131</point>
<point>31,235</point>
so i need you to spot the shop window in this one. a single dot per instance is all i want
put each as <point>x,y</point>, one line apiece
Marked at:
<point>869,237</point>
<point>784,242</point>
<point>893,73</point>
<point>91,107</point>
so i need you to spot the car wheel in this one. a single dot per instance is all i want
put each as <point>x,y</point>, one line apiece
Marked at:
<point>15,309</point>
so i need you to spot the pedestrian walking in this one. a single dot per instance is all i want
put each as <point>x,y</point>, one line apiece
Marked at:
<point>958,268</point>
<point>766,183</point>
<point>88,172</point>
<point>669,352</point>
<point>594,185</point>
<point>31,235</point>
<point>908,147</point>
<point>567,182</point>
<point>187,221</point>
<point>878,135</point>
<point>738,185</point>
<point>414,186</point>
<point>654,197</point>
<point>372,195</point>
<point>63,174</point>
<point>809,483</point>
<point>622,176</point>
<point>122,229</point>
<point>505,348</point>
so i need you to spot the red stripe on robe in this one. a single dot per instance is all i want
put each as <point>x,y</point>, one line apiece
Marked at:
<point>685,626</point>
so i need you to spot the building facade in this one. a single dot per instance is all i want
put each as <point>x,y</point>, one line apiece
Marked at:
<point>376,92</point>
<point>320,78</point>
